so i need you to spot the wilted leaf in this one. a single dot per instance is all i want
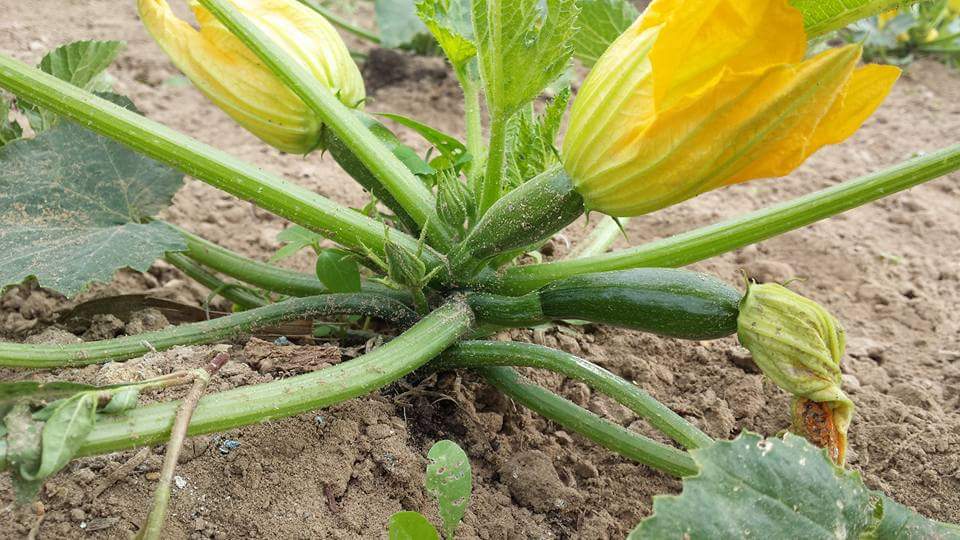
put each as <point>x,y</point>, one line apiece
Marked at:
<point>753,487</point>
<point>450,23</point>
<point>71,203</point>
<point>523,46</point>
<point>411,526</point>
<point>600,22</point>
<point>294,239</point>
<point>64,431</point>
<point>450,480</point>
<point>23,451</point>
<point>338,271</point>
<point>122,401</point>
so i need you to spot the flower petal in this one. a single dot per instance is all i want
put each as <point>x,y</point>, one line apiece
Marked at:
<point>867,89</point>
<point>702,39</point>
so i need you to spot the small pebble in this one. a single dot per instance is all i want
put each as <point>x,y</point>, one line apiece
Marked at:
<point>180,481</point>
<point>152,476</point>
<point>227,445</point>
<point>282,341</point>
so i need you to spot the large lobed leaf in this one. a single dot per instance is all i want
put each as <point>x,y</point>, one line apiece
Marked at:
<point>451,24</point>
<point>523,45</point>
<point>753,487</point>
<point>398,23</point>
<point>72,207</point>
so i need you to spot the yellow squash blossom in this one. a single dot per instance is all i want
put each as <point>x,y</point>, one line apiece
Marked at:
<point>231,75</point>
<point>954,6</point>
<point>699,95</point>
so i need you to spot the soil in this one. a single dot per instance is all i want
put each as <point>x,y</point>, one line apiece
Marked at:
<point>890,271</point>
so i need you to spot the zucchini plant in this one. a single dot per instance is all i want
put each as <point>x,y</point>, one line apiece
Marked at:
<point>682,99</point>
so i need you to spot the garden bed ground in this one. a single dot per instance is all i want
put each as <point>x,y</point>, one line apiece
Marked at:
<point>890,272</point>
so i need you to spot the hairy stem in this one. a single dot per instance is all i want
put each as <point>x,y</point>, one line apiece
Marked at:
<point>496,161</point>
<point>478,354</point>
<point>161,497</point>
<point>149,425</point>
<point>474,127</point>
<point>48,356</point>
<point>607,434</point>
<point>409,191</point>
<point>217,168</point>
<point>700,244</point>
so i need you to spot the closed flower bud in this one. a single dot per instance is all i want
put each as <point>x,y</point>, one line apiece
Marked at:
<point>403,267</point>
<point>699,95</point>
<point>232,76</point>
<point>799,345</point>
<point>453,200</point>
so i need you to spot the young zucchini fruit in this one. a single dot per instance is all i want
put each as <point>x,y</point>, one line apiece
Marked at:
<point>662,301</point>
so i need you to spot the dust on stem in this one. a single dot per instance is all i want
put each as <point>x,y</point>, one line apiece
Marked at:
<point>153,527</point>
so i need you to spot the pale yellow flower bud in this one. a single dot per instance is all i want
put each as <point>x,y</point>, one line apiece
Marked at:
<point>799,345</point>
<point>231,75</point>
<point>699,95</point>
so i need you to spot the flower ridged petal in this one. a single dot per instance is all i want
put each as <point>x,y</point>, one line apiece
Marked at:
<point>231,75</point>
<point>696,96</point>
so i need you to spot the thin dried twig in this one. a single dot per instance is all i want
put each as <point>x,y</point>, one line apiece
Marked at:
<point>161,497</point>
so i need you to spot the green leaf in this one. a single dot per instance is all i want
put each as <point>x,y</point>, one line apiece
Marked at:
<point>23,451</point>
<point>70,206</point>
<point>398,21</point>
<point>448,145</point>
<point>450,23</point>
<point>762,488</point>
<point>63,433</point>
<point>295,238</point>
<point>898,521</point>
<point>600,22</point>
<point>82,64</point>
<point>523,45</point>
<point>403,152</point>
<point>338,271</point>
<point>822,16</point>
<point>532,137</point>
<point>9,130</point>
<point>40,391</point>
<point>122,401</point>
<point>450,480</point>
<point>411,526</point>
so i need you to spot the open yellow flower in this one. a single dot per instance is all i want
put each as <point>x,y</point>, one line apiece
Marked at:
<point>699,95</point>
<point>231,75</point>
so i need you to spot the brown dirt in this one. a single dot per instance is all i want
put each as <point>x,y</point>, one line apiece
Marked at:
<point>890,272</point>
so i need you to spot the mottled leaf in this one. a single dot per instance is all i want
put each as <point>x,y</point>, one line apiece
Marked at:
<point>450,480</point>
<point>753,487</point>
<point>23,451</point>
<point>338,271</point>
<point>898,521</point>
<point>523,46</point>
<point>411,526</point>
<point>71,207</point>
<point>600,22</point>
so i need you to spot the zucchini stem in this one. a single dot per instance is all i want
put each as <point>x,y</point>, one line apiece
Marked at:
<point>16,355</point>
<point>605,433</point>
<point>480,354</point>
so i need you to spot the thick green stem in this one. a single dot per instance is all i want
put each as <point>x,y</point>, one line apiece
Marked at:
<point>343,23</point>
<point>236,294</point>
<point>17,355</point>
<point>600,239</point>
<point>409,191</point>
<point>496,161</point>
<point>607,434</point>
<point>474,127</point>
<point>700,244</point>
<point>479,354</point>
<point>146,426</point>
<point>201,161</point>
<point>266,276</point>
